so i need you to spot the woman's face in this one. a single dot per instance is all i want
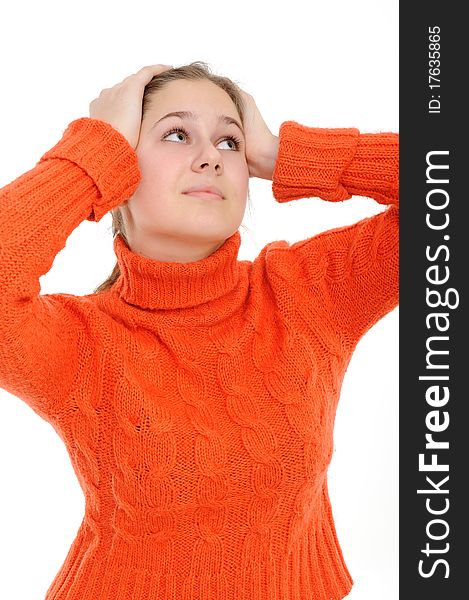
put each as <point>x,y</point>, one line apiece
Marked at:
<point>162,221</point>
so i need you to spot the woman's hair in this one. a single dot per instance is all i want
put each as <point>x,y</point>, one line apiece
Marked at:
<point>195,70</point>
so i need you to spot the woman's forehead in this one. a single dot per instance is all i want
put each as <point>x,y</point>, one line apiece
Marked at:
<point>200,98</point>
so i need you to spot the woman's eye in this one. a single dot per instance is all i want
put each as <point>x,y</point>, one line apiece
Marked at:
<point>181,135</point>
<point>232,144</point>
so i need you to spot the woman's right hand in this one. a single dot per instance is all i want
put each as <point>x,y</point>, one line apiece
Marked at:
<point>121,105</point>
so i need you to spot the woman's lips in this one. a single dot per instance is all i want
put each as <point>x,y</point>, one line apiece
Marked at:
<point>204,190</point>
<point>207,195</point>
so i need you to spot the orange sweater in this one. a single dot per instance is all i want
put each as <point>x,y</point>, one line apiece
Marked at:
<point>197,400</point>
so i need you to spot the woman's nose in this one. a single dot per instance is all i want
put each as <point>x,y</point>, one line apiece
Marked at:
<point>208,157</point>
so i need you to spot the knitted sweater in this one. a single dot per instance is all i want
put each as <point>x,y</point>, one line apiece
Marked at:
<point>197,401</point>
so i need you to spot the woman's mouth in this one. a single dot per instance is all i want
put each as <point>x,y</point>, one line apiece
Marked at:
<point>206,195</point>
<point>205,191</point>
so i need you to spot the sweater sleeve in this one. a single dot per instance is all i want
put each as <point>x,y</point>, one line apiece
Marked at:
<point>352,271</point>
<point>89,171</point>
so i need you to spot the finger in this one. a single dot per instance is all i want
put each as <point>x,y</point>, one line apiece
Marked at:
<point>153,69</point>
<point>157,66</point>
<point>148,72</point>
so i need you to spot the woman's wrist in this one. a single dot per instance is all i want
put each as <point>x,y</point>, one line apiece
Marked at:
<point>265,161</point>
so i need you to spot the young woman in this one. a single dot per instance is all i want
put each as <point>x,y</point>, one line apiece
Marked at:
<point>196,393</point>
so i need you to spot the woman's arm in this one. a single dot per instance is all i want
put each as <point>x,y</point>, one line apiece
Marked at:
<point>42,338</point>
<point>335,164</point>
<point>352,271</point>
<point>45,340</point>
<point>332,164</point>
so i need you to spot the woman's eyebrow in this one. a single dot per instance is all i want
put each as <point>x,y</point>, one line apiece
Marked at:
<point>186,114</point>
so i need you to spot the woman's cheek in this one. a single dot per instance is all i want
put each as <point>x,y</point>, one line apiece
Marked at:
<point>156,164</point>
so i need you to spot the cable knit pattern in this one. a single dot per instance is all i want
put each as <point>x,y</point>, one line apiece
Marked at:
<point>197,401</point>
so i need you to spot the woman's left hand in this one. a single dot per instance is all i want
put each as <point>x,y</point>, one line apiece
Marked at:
<point>261,144</point>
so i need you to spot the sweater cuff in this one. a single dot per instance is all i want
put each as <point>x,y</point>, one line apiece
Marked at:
<point>374,171</point>
<point>311,161</point>
<point>105,155</point>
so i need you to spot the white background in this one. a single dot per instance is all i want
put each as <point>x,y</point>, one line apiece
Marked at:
<point>322,64</point>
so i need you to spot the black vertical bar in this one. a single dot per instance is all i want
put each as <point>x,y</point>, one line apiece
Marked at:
<point>434,355</point>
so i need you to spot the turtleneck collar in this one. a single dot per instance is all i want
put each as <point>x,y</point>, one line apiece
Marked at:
<point>153,284</point>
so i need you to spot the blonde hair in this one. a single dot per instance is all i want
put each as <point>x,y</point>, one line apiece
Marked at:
<point>195,70</point>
